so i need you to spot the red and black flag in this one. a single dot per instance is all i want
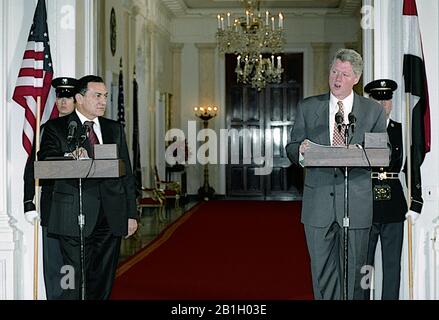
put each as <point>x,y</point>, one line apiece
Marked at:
<point>415,82</point>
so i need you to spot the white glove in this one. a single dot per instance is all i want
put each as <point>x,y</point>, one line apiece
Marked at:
<point>413,215</point>
<point>31,216</point>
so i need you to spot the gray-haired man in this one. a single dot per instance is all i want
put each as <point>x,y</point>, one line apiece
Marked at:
<point>323,194</point>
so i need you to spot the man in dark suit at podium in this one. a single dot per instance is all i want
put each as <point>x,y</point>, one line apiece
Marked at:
<point>323,194</point>
<point>390,205</point>
<point>52,258</point>
<point>109,204</point>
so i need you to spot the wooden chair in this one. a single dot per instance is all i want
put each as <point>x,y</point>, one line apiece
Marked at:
<point>152,198</point>
<point>171,189</point>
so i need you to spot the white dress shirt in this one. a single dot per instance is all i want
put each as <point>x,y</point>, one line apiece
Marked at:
<point>333,109</point>
<point>96,127</point>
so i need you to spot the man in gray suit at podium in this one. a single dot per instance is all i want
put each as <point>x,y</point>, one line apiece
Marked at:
<point>323,194</point>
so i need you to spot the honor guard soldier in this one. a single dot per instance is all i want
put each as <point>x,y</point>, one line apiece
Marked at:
<point>65,89</point>
<point>389,203</point>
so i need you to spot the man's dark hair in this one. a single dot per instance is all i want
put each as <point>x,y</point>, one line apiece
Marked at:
<point>84,81</point>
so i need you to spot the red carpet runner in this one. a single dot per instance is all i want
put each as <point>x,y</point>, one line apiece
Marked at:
<point>223,250</point>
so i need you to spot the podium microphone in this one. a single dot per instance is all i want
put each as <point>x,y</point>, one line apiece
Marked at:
<point>339,120</point>
<point>73,125</point>
<point>352,121</point>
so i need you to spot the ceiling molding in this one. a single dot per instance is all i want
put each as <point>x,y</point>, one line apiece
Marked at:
<point>177,7</point>
<point>346,8</point>
<point>350,7</point>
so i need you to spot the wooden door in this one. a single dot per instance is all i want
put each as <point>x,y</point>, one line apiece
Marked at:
<point>252,113</point>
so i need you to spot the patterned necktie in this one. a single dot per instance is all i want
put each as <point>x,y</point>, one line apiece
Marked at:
<point>338,137</point>
<point>92,137</point>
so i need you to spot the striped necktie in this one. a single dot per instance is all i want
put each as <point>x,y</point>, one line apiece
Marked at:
<point>338,137</point>
<point>92,137</point>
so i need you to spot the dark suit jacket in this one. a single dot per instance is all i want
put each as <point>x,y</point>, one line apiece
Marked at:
<point>116,196</point>
<point>394,210</point>
<point>323,194</point>
<point>29,189</point>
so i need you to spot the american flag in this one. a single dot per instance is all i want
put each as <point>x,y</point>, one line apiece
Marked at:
<point>35,76</point>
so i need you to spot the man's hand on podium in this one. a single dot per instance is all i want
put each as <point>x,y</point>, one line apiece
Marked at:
<point>31,216</point>
<point>303,146</point>
<point>132,227</point>
<point>80,153</point>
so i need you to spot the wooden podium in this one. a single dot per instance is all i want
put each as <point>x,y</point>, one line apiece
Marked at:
<point>375,153</point>
<point>74,169</point>
<point>106,165</point>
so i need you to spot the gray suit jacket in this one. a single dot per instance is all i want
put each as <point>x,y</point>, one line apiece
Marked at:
<point>323,194</point>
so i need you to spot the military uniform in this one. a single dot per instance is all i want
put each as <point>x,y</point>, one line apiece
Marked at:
<point>389,202</point>
<point>52,258</point>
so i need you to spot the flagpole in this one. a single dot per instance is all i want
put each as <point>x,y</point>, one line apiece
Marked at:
<point>409,193</point>
<point>37,199</point>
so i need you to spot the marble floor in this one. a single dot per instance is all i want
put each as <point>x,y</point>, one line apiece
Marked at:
<point>150,226</point>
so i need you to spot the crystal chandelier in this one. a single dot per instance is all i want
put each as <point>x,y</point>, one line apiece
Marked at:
<point>250,37</point>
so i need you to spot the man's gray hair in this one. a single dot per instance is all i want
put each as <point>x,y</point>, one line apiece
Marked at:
<point>352,56</point>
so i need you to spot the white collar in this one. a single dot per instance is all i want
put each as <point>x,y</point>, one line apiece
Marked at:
<point>83,118</point>
<point>347,102</point>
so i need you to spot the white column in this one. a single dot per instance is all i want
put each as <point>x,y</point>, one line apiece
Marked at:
<point>141,59</point>
<point>151,36</point>
<point>206,72</point>
<point>367,24</point>
<point>7,244</point>
<point>321,67</point>
<point>86,37</point>
<point>176,85</point>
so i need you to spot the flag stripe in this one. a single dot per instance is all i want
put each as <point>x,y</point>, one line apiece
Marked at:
<point>409,8</point>
<point>414,81</point>
<point>34,55</point>
<point>32,64</point>
<point>412,43</point>
<point>31,82</point>
<point>35,46</point>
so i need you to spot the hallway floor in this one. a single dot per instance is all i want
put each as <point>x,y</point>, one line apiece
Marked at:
<point>150,227</point>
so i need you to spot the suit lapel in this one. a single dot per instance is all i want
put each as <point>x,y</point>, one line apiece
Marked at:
<point>321,121</point>
<point>359,111</point>
<point>107,134</point>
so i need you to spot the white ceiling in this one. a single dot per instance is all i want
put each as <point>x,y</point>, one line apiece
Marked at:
<point>295,7</point>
